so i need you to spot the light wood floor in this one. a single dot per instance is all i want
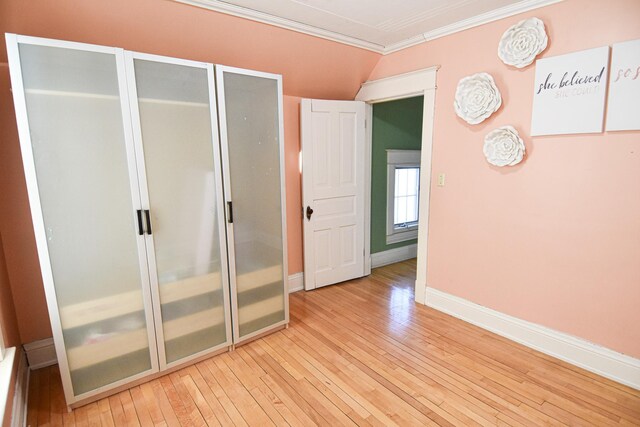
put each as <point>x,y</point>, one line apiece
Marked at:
<point>359,353</point>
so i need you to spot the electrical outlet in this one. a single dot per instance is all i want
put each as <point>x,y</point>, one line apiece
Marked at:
<point>441,180</point>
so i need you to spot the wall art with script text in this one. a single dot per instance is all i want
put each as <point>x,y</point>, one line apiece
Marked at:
<point>569,93</point>
<point>623,110</point>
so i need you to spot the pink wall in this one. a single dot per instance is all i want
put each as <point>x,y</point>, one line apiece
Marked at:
<point>556,239</point>
<point>311,67</point>
<point>8,320</point>
<point>293,190</point>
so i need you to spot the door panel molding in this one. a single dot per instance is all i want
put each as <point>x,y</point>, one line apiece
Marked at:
<point>333,187</point>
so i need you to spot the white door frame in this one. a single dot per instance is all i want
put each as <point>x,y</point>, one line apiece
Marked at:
<point>407,85</point>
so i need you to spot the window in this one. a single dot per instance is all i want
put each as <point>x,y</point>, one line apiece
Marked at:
<point>403,193</point>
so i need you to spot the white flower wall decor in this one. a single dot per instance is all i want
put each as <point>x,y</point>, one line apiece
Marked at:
<point>503,147</point>
<point>477,97</point>
<point>521,43</point>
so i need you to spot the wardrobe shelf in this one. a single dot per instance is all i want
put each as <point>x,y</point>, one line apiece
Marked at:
<point>84,313</point>
<point>71,94</point>
<point>132,341</point>
<point>108,348</point>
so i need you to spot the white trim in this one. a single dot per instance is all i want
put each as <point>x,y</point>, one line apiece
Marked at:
<point>415,83</point>
<point>400,86</point>
<point>403,157</point>
<point>41,353</point>
<point>390,256</point>
<point>6,372</point>
<point>592,357</point>
<point>400,235</point>
<point>266,18</point>
<point>368,137</point>
<point>465,24</point>
<point>428,117</point>
<point>396,159</point>
<point>296,282</point>
<point>19,410</point>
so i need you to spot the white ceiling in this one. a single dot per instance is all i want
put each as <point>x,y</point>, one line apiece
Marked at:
<point>383,26</point>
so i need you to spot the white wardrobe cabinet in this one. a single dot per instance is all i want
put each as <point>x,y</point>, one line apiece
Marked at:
<point>250,105</point>
<point>132,194</point>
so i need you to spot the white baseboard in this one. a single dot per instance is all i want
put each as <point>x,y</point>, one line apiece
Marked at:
<point>296,282</point>
<point>19,411</point>
<point>393,255</point>
<point>592,357</point>
<point>41,353</point>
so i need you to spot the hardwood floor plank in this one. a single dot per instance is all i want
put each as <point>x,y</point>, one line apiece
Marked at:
<point>117,411</point>
<point>196,418</point>
<point>175,401</point>
<point>93,415</point>
<point>200,401</point>
<point>207,394</point>
<point>58,405</point>
<point>106,419</point>
<point>359,353</point>
<point>219,393</point>
<point>44,399</point>
<point>142,409</point>
<point>239,395</point>
<point>160,396</point>
<point>130,412</point>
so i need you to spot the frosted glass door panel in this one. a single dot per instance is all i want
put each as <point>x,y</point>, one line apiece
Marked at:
<point>175,119</point>
<point>80,157</point>
<point>253,143</point>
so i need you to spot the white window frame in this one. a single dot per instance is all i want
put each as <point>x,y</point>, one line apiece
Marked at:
<point>402,159</point>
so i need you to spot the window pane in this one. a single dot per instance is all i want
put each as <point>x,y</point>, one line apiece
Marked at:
<point>407,181</point>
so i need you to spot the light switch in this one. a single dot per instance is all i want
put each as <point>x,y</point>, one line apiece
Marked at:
<point>441,180</point>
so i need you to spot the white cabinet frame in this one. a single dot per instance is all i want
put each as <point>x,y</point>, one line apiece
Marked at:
<point>17,85</point>
<point>142,174</point>
<point>132,134</point>
<point>220,70</point>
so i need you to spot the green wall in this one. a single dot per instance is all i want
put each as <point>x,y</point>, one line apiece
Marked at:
<point>396,125</point>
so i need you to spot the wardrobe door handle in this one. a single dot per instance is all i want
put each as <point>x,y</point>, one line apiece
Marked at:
<point>309,213</point>
<point>146,213</point>
<point>140,229</point>
<point>230,212</point>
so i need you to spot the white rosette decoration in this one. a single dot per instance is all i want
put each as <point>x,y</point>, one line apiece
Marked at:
<point>503,146</point>
<point>521,43</point>
<point>477,97</point>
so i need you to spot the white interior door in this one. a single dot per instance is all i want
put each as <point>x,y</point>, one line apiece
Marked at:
<point>333,138</point>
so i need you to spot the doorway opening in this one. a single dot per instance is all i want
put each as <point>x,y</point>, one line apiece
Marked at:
<point>395,180</point>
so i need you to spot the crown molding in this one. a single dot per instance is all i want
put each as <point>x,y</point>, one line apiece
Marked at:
<point>265,18</point>
<point>465,24</point>
<point>474,21</point>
